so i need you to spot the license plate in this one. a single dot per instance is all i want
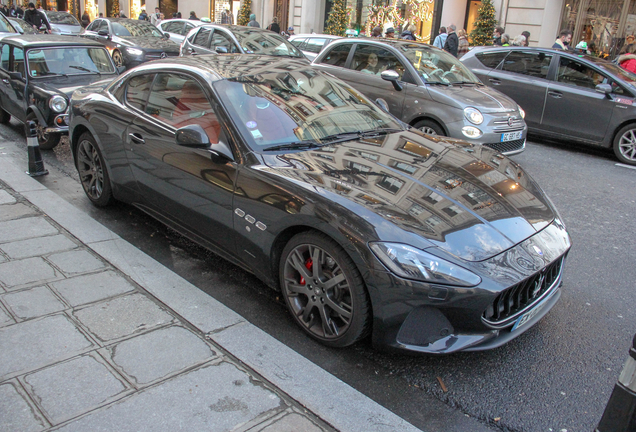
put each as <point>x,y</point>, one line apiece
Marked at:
<point>524,319</point>
<point>511,136</point>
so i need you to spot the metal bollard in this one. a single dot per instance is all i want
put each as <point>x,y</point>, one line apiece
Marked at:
<point>620,412</point>
<point>36,164</point>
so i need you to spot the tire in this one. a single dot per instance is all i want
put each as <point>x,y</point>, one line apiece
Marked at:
<point>93,172</point>
<point>625,144</point>
<point>5,117</point>
<point>429,127</point>
<point>329,301</point>
<point>117,58</point>
<point>47,141</point>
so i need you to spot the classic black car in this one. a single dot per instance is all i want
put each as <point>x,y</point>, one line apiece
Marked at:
<point>38,75</point>
<point>431,244</point>
<point>131,42</point>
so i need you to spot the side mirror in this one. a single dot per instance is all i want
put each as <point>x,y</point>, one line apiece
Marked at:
<point>603,88</point>
<point>15,75</point>
<point>103,33</point>
<point>393,76</point>
<point>121,69</point>
<point>220,50</point>
<point>192,136</point>
<point>382,104</point>
<point>166,35</point>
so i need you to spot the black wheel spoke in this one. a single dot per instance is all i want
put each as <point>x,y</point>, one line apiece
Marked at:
<point>299,265</point>
<point>317,257</point>
<point>328,326</point>
<point>293,289</point>
<point>343,310</point>
<point>334,281</point>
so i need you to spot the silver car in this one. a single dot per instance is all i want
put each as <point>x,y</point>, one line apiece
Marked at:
<point>429,89</point>
<point>63,23</point>
<point>178,28</point>
<point>312,44</point>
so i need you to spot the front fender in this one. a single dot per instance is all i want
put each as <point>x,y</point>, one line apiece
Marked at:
<point>34,109</point>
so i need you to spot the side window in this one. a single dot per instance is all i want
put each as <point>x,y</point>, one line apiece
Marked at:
<point>491,59</point>
<point>103,25</point>
<point>374,60</point>
<point>618,89</point>
<point>92,26</point>
<point>578,74</point>
<point>187,29</point>
<point>220,39</point>
<point>180,101</point>
<point>534,64</point>
<point>5,56</point>
<point>137,90</point>
<point>314,45</point>
<point>337,56</point>
<point>18,60</point>
<point>298,42</point>
<point>202,38</point>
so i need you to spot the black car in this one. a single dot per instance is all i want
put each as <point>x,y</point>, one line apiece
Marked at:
<point>431,244</point>
<point>566,95</point>
<point>38,75</point>
<point>131,42</point>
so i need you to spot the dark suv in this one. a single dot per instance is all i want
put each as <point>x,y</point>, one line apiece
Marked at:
<point>38,76</point>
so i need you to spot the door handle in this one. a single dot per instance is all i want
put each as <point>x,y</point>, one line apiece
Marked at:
<point>556,95</point>
<point>494,81</point>
<point>136,138</point>
<point>4,80</point>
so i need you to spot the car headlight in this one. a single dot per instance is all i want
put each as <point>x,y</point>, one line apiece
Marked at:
<point>471,132</point>
<point>522,112</point>
<point>412,263</point>
<point>134,51</point>
<point>58,103</point>
<point>473,115</point>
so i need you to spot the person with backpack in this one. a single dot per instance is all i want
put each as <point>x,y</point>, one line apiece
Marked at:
<point>409,33</point>
<point>274,26</point>
<point>440,39</point>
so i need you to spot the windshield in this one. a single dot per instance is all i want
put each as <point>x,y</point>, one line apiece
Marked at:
<point>288,107</point>
<point>135,28</point>
<point>627,76</point>
<point>437,66</point>
<point>259,42</point>
<point>68,61</point>
<point>64,18</point>
<point>5,26</point>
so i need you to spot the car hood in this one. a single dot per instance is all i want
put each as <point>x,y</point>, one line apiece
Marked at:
<point>150,43</point>
<point>466,199</point>
<point>67,85</point>
<point>486,99</point>
<point>68,28</point>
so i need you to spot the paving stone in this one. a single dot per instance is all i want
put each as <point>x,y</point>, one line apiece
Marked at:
<point>14,273</point>
<point>36,343</point>
<point>74,262</point>
<point>123,316</point>
<point>89,288</point>
<point>5,319</point>
<point>293,422</point>
<point>14,211</point>
<point>25,228</point>
<point>213,398</point>
<point>17,414</point>
<point>6,197</point>
<point>157,354</point>
<point>37,246</point>
<point>68,389</point>
<point>33,302</point>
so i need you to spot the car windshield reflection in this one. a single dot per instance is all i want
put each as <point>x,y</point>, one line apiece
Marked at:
<point>129,28</point>
<point>257,42</point>
<point>436,66</point>
<point>68,61</point>
<point>302,106</point>
<point>63,18</point>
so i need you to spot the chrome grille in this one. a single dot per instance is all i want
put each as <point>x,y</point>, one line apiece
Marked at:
<point>515,300</point>
<point>157,55</point>
<point>503,125</point>
<point>507,146</point>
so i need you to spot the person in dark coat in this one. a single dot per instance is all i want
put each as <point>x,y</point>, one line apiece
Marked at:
<point>452,41</point>
<point>19,12</point>
<point>35,18</point>
<point>274,26</point>
<point>143,16</point>
<point>193,16</point>
<point>409,34</point>
<point>496,39</point>
<point>86,19</point>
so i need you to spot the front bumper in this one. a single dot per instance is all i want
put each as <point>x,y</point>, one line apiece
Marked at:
<point>493,130</point>
<point>60,125</point>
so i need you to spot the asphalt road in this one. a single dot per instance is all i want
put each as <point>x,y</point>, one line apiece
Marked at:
<point>555,377</point>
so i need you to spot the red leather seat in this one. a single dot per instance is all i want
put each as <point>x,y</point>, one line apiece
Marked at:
<point>193,107</point>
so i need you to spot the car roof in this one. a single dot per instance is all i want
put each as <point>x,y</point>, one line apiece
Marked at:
<point>306,35</point>
<point>28,41</point>
<point>397,43</point>
<point>238,28</point>
<point>591,59</point>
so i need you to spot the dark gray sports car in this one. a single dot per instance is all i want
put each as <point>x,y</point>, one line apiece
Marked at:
<point>366,226</point>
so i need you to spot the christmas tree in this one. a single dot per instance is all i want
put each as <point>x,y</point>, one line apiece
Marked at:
<point>485,25</point>
<point>338,18</point>
<point>114,12</point>
<point>244,13</point>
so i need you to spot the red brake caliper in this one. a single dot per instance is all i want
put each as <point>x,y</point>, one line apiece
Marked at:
<point>309,264</point>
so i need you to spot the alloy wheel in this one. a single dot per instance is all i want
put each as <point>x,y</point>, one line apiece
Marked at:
<point>627,145</point>
<point>428,130</point>
<point>90,168</point>
<point>117,59</point>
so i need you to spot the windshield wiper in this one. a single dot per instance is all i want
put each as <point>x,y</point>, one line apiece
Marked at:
<point>299,145</point>
<point>52,73</point>
<point>332,139</point>
<point>85,69</point>
<point>438,83</point>
<point>464,83</point>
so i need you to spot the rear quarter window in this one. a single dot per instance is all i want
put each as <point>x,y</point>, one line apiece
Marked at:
<point>491,59</point>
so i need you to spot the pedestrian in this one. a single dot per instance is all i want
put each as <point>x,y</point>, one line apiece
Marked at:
<point>288,33</point>
<point>159,20</point>
<point>143,16</point>
<point>253,22</point>
<point>496,37</point>
<point>193,16</point>
<point>174,15</point>
<point>519,41</point>
<point>526,33</point>
<point>101,15</point>
<point>440,39</point>
<point>452,41</point>
<point>565,37</point>
<point>35,18</point>
<point>4,10</point>
<point>463,43</point>
<point>227,17</point>
<point>179,15</point>
<point>12,11</point>
<point>505,39</point>
<point>627,59</point>
<point>409,33</point>
<point>274,26</point>
<point>122,14</point>
<point>19,12</point>
<point>86,19</point>
<point>390,33</point>
<point>155,16</point>
<point>376,32</point>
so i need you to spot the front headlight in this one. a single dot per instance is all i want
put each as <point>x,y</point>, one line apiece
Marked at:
<point>58,103</point>
<point>473,115</point>
<point>412,263</point>
<point>522,112</point>
<point>134,51</point>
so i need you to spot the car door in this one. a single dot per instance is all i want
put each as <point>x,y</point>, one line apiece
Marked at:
<point>91,30</point>
<point>186,185</point>
<point>15,102</point>
<point>5,52</point>
<point>523,75</point>
<point>200,43</point>
<point>222,43</point>
<point>573,107</point>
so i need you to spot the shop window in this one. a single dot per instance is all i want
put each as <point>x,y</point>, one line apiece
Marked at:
<point>578,74</point>
<point>535,64</point>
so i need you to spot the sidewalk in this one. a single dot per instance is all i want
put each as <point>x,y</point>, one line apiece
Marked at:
<point>97,336</point>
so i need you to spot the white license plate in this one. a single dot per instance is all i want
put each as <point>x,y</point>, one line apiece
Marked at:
<point>511,136</point>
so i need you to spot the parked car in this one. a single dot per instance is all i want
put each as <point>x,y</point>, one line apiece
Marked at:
<point>22,26</point>
<point>63,23</point>
<point>131,42</point>
<point>429,89</point>
<point>566,95</point>
<point>178,28</point>
<point>39,88</point>
<point>6,28</point>
<point>228,39</point>
<point>365,225</point>
<point>311,44</point>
